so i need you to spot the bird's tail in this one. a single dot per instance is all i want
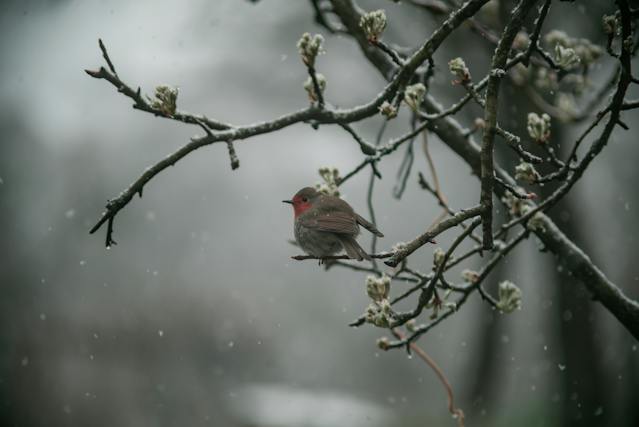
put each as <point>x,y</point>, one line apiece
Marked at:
<point>353,249</point>
<point>368,225</point>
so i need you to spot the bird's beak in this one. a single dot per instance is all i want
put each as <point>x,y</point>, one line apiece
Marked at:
<point>290,202</point>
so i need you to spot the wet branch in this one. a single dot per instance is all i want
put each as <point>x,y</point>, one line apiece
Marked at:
<point>490,116</point>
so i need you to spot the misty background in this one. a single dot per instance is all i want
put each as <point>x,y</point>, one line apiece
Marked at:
<point>199,316</point>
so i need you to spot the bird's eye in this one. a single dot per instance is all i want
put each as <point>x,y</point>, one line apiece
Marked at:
<point>304,199</point>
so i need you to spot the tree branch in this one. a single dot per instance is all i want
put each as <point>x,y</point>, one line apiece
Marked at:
<point>429,235</point>
<point>490,116</point>
<point>453,135</point>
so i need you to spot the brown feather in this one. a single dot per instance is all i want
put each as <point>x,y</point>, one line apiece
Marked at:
<point>353,249</point>
<point>334,222</point>
<point>368,225</point>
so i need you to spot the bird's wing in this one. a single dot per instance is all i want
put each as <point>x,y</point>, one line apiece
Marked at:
<point>352,248</point>
<point>335,222</point>
<point>368,225</point>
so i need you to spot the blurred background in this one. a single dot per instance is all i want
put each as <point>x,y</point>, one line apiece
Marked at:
<point>198,316</point>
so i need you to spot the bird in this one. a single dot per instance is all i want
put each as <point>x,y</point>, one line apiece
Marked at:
<point>324,225</point>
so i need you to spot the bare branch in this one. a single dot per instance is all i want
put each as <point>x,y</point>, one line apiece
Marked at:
<point>534,38</point>
<point>334,257</point>
<point>427,237</point>
<point>402,67</point>
<point>451,133</point>
<point>490,116</point>
<point>485,271</point>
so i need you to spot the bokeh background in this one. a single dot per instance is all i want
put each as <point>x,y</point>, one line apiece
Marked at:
<point>198,316</point>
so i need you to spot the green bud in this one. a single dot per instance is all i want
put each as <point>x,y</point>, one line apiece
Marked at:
<point>383,343</point>
<point>414,95</point>
<point>331,178</point>
<point>399,246</point>
<point>538,127</point>
<point>470,276</point>
<point>309,47</point>
<point>411,325</point>
<point>526,172</point>
<point>373,24</point>
<point>609,23</point>
<point>459,69</point>
<point>310,87</point>
<point>165,99</point>
<point>516,206</point>
<point>378,288</point>
<point>536,223</point>
<point>379,314</point>
<point>566,57</point>
<point>438,257</point>
<point>388,110</point>
<point>509,297</point>
<point>451,305</point>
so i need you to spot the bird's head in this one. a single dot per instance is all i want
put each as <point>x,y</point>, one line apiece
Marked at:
<point>303,200</point>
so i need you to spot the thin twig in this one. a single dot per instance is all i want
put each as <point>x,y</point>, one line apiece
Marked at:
<point>456,412</point>
<point>406,166</point>
<point>497,257</point>
<point>389,51</point>
<point>331,257</point>
<point>366,147</point>
<point>534,38</point>
<point>427,237</point>
<point>369,195</point>
<point>427,291</point>
<point>317,89</point>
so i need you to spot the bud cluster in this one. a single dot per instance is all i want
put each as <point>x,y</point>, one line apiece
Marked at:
<point>383,343</point>
<point>459,69</point>
<point>331,178</point>
<point>378,288</point>
<point>516,206</point>
<point>538,127</point>
<point>537,223</point>
<point>379,312</point>
<point>414,95</point>
<point>373,24</point>
<point>399,246</point>
<point>470,276</point>
<point>509,297</point>
<point>165,99</point>
<point>309,47</point>
<point>438,257</point>
<point>609,24</point>
<point>570,52</point>
<point>526,172</point>
<point>566,57</point>
<point>388,110</point>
